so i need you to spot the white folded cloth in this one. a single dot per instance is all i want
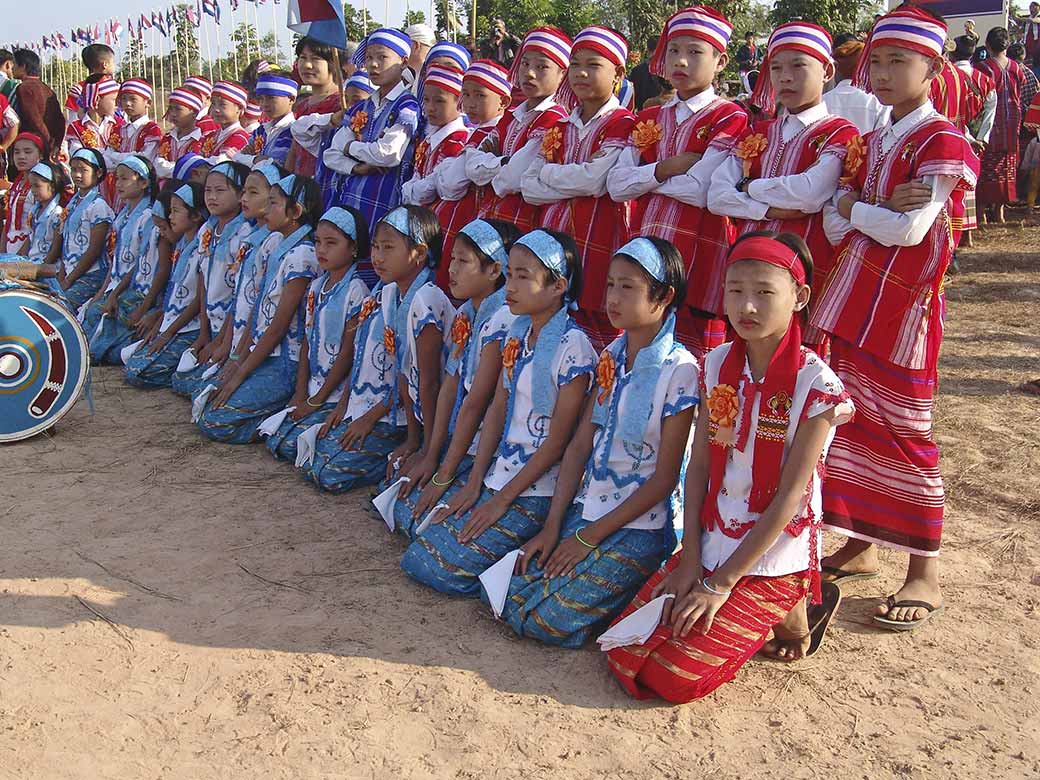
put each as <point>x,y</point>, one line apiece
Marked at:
<point>387,500</point>
<point>211,371</point>
<point>81,312</point>
<point>97,330</point>
<point>199,404</point>
<point>306,443</point>
<point>271,424</point>
<point>128,351</point>
<point>637,627</point>
<point>429,518</point>
<point>187,362</point>
<point>496,578</point>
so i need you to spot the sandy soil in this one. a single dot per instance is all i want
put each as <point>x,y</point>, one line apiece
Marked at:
<point>175,609</point>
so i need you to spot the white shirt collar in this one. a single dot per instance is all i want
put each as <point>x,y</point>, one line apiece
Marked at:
<point>575,117</point>
<point>141,121</point>
<point>196,132</point>
<point>393,94</point>
<point>493,122</point>
<point>437,135</point>
<point>226,131</point>
<point>912,120</point>
<point>695,103</point>
<point>810,115</point>
<point>845,85</point>
<point>522,110</point>
<point>280,123</point>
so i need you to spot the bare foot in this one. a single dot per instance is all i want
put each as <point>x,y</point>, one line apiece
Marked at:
<point>790,640</point>
<point>913,590</point>
<point>855,557</point>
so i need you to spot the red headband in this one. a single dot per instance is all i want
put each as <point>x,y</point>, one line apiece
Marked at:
<point>768,250</point>
<point>37,140</point>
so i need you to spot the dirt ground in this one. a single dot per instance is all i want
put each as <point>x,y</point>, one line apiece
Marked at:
<point>171,608</point>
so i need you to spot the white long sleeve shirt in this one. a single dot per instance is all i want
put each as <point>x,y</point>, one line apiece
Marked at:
<point>452,175</point>
<point>422,190</point>
<point>858,106</point>
<point>546,182</point>
<point>891,228</point>
<point>129,133</point>
<point>808,191</point>
<point>387,151</point>
<point>630,178</point>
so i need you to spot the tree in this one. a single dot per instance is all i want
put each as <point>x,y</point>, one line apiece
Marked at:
<point>414,17</point>
<point>359,22</point>
<point>838,16</point>
<point>185,56</point>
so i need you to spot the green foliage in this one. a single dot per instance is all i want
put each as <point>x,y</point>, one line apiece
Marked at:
<point>837,16</point>
<point>359,22</point>
<point>414,17</point>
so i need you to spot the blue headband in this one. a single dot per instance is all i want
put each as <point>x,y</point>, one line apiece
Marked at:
<point>547,249</point>
<point>360,80</point>
<point>137,165</point>
<point>44,171</point>
<point>188,163</point>
<point>277,86</point>
<point>488,241</point>
<point>158,210</point>
<point>186,194</point>
<point>229,172</point>
<point>89,156</point>
<point>643,251</point>
<point>452,51</point>
<point>400,220</point>
<point>395,40</point>
<point>342,219</point>
<point>286,185</point>
<point>269,172</point>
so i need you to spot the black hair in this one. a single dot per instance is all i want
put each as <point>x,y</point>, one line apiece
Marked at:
<point>59,179</point>
<point>749,34</point>
<point>93,54</point>
<point>674,273</point>
<point>328,53</point>
<point>165,194</point>
<point>423,222</point>
<point>796,244</point>
<point>249,76</point>
<point>198,195</point>
<point>965,47</point>
<point>1017,51</point>
<point>99,161</point>
<point>6,56</point>
<point>651,43</point>
<point>153,180</point>
<point>572,257</point>
<point>507,231</point>
<point>94,78</point>
<point>27,60</point>
<point>306,192</point>
<point>240,169</point>
<point>362,243</point>
<point>998,39</point>
<point>843,38</point>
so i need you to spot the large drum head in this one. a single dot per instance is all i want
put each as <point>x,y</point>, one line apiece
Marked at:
<point>44,362</point>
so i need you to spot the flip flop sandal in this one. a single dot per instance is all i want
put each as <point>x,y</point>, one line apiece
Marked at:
<point>820,615</point>
<point>907,625</point>
<point>838,575</point>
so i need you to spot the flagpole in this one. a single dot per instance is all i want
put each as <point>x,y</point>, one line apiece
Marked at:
<point>176,49</point>
<point>220,57</point>
<point>234,47</point>
<point>209,50</point>
<point>274,19</point>
<point>259,37</point>
<point>162,65</point>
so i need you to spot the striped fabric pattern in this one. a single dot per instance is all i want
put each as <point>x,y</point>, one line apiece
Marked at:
<point>883,482</point>
<point>186,98</point>
<point>232,92</point>
<point>912,30</point>
<point>200,83</point>
<point>265,392</point>
<point>801,36</point>
<point>682,669</point>
<point>138,87</point>
<point>553,43</point>
<point>491,75</point>
<point>700,22</point>
<point>448,79</point>
<point>610,43</point>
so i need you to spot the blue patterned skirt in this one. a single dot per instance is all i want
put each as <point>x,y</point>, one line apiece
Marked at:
<point>156,370</point>
<point>404,523</point>
<point>338,470</point>
<point>282,443</point>
<point>85,288</point>
<point>115,332</point>
<point>265,392</point>
<point>568,610</point>
<point>438,559</point>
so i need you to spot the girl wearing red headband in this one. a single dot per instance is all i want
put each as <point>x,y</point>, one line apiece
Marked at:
<point>769,408</point>
<point>783,171</point>
<point>568,178</point>
<point>27,150</point>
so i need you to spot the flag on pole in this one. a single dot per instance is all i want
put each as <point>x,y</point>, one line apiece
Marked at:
<point>117,29</point>
<point>159,22</point>
<point>212,8</point>
<point>145,23</point>
<point>319,19</point>
<point>193,18</point>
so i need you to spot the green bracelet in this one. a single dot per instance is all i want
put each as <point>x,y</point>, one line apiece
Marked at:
<point>433,479</point>
<point>577,535</point>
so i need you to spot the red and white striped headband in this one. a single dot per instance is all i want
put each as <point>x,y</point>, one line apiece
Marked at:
<point>232,92</point>
<point>252,112</point>
<point>805,37</point>
<point>138,87</point>
<point>700,22</point>
<point>448,79</point>
<point>604,41</point>
<point>906,28</point>
<point>92,93</point>
<point>185,97</point>
<point>491,75</point>
<point>550,41</point>
<point>200,83</point>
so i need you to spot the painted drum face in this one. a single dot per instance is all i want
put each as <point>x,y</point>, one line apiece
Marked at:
<point>44,362</point>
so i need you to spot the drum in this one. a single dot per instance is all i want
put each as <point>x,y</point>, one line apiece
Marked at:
<point>44,360</point>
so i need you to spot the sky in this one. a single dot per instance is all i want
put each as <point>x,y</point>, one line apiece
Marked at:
<point>23,22</point>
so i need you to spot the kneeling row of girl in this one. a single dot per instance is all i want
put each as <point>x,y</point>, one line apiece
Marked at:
<point>521,466</point>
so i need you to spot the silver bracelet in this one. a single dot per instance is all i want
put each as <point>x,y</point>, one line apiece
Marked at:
<point>713,591</point>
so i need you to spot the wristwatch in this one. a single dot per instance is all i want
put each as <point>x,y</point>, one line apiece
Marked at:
<point>742,185</point>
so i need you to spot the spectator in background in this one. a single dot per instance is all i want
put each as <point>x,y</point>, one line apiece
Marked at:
<point>748,59</point>
<point>38,108</point>
<point>423,38</point>
<point>1017,52</point>
<point>646,84</point>
<point>346,61</point>
<point>501,45</point>
<point>848,101</point>
<point>8,83</point>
